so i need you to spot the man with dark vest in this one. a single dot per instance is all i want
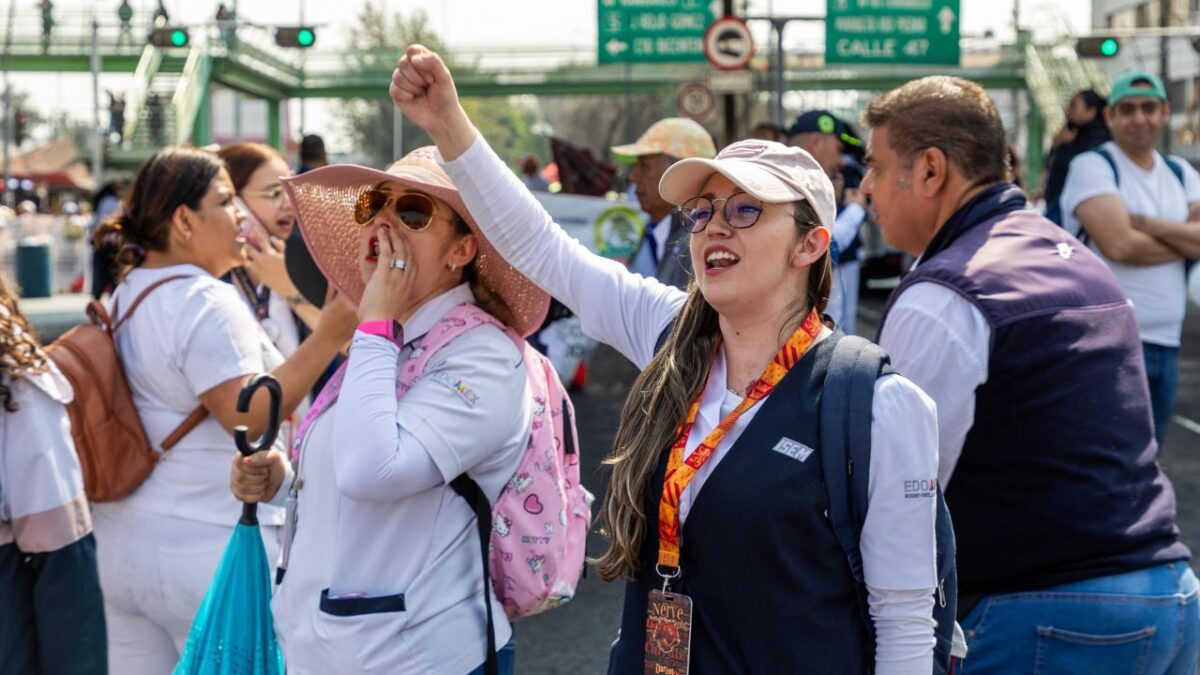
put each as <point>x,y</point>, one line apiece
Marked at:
<point>664,252</point>
<point>1069,559</point>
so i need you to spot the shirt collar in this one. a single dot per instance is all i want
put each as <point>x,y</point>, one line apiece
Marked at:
<point>434,309</point>
<point>714,391</point>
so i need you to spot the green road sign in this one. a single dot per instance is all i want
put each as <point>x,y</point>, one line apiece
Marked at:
<point>892,31</point>
<point>652,31</point>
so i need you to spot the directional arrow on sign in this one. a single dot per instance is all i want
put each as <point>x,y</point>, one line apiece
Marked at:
<point>946,17</point>
<point>615,46</point>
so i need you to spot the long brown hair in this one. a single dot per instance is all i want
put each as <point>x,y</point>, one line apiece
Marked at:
<point>20,353</point>
<point>170,178</point>
<point>658,404</point>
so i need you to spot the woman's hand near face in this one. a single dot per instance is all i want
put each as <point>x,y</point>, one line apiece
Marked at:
<point>423,89</point>
<point>265,261</point>
<point>388,291</point>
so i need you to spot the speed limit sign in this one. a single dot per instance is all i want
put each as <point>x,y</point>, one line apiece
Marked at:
<point>696,101</point>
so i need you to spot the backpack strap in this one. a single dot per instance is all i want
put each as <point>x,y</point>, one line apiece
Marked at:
<point>100,316</point>
<point>1176,167</point>
<point>469,490</point>
<point>142,296</point>
<point>846,412</point>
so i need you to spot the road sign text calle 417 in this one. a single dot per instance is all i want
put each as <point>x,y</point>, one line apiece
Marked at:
<point>892,31</point>
<point>652,31</point>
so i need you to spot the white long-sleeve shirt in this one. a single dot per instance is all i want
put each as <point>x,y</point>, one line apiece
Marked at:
<point>629,312</point>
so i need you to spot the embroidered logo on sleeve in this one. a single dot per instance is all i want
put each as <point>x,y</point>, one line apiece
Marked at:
<point>920,489</point>
<point>794,449</point>
<point>457,386</point>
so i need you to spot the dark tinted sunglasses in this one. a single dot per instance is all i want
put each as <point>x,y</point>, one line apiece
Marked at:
<point>741,211</point>
<point>414,209</point>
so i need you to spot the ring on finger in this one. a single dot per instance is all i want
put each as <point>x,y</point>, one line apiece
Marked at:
<point>398,264</point>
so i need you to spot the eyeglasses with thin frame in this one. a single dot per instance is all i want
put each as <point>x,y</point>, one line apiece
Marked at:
<point>415,210</point>
<point>741,210</point>
<point>274,193</point>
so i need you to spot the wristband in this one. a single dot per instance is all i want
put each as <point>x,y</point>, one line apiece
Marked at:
<point>385,328</point>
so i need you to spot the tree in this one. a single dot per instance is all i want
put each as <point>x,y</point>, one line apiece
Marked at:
<point>380,38</point>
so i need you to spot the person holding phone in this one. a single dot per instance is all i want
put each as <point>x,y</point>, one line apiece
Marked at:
<point>268,220</point>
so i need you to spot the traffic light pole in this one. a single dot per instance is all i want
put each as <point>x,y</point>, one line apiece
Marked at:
<point>1164,62</point>
<point>9,118</point>
<point>730,103</point>
<point>97,150</point>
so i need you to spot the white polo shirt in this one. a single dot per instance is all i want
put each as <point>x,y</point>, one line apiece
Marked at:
<point>42,504</point>
<point>1158,291</point>
<point>187,337</point>
<point>376,517</point>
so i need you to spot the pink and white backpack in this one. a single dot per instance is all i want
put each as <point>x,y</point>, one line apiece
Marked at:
<point>538,526</point>
<point>533,537</point>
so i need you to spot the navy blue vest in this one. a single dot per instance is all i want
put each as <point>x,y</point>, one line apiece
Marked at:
<point>1057,481</point>
<point>770,586</point>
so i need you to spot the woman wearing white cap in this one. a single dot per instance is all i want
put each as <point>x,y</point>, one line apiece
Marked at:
<point>701,437</point>
<point>381,572</point>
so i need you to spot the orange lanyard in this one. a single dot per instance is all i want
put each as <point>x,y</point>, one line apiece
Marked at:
<point>680,473</point>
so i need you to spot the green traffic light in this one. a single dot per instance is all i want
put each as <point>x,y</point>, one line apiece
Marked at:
<point>1109,47</point>
<point>179,38</point>
<point>305,37</point>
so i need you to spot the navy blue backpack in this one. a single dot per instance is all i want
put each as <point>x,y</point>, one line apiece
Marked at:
<point>846,414</point>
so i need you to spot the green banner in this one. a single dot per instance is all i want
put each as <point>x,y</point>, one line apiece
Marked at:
<point>892,31</point>
<point>652,31</point>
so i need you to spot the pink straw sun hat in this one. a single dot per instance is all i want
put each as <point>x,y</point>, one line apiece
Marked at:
<point>324,200</point>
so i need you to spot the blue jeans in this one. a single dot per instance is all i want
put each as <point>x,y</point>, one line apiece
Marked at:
<point>1162,370</point>
<point>507,657</point>
<point>1139,623</point>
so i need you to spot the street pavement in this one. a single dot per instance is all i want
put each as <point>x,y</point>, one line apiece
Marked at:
<point>574,640</point>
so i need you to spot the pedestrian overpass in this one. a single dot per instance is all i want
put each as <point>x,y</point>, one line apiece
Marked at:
<point>247,60</point>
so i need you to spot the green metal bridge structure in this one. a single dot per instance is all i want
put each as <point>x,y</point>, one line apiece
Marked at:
<point>246,60</point>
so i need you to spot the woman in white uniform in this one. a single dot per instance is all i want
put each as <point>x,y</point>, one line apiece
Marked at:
<point>716,488</point>
<point>383,574</point>
<point>52,613</point>
<point>191,346</point>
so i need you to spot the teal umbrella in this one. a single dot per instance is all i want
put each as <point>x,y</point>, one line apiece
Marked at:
<point>233,632</point>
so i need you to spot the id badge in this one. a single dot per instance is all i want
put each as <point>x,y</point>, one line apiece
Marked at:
<point>289,534</point>
<point>668,633</point>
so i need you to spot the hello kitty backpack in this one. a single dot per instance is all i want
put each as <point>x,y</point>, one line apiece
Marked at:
<point>538,526</point>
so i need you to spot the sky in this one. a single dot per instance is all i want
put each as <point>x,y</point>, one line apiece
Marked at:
<point>475,23</point>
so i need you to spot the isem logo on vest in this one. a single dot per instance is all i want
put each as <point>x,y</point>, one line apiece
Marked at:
<point>668,634</point>
<point>794,449</point>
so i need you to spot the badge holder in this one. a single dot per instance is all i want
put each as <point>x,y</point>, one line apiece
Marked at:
<point>668,628</point>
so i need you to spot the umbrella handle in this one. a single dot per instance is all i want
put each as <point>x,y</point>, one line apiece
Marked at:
<point>240,432</point>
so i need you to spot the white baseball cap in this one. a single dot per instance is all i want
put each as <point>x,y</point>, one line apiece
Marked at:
<point>771,171</point>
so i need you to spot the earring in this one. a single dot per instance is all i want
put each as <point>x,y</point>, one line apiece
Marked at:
<point>453,267</point>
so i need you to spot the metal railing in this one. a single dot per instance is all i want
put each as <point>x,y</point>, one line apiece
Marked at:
<point>191,91</point>
<point>139,89</point>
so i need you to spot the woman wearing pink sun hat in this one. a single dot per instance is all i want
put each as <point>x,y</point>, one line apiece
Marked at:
<point>381,555</point>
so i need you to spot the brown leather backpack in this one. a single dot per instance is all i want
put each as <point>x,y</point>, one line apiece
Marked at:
<point>113,451</point>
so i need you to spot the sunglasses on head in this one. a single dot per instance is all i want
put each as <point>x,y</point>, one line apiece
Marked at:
<point>414,209</point>
<point>740,210</point>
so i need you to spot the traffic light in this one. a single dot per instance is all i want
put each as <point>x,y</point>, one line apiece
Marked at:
<point>295,36</point>
<point>1098,47</point>
<point>169,36</point>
